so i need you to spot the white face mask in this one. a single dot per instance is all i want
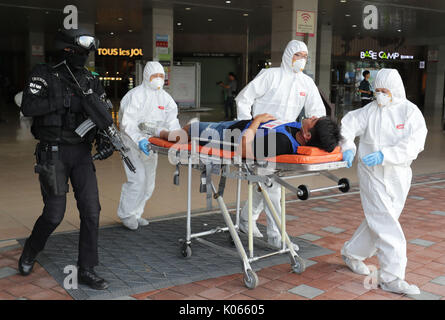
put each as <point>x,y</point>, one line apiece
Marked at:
<point>383,99</point>
<point>299,65</point>
<point>157,83</point>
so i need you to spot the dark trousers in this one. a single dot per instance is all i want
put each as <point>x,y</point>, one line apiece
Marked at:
<point>80,170</point>
<point>229,108</point>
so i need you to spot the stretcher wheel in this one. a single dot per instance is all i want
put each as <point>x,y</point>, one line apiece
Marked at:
<point>305,192</point>
<point>298,264</point>
<point>346,186</point>
<point>186,250</point>
<point>250,279</point>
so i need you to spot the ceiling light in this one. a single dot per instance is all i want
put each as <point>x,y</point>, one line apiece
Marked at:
<point>400,30</point>
<point>179,24</point>
<point>343,1</point>
<point>246,14</point>
<point>228,2</point>
<point>112,33</point>
<point>210,20</point>
<point>130,30</point>
<point>120,19</point>
<point>354,26</point>
<point>188,8</point>
<point>347,15</point>
<point>47,12</point>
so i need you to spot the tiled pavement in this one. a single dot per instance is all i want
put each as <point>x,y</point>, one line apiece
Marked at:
<point>423,222</point>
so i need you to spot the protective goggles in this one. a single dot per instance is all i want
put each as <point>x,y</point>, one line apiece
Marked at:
<point>87,42</point>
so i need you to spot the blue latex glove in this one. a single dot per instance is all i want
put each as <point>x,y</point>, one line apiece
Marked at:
<point>143,145</point>
<point>348,156</point>
<point>373,159</point>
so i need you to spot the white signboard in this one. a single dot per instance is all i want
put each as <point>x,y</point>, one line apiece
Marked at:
<point>183,86</point>
<point>306,23</point>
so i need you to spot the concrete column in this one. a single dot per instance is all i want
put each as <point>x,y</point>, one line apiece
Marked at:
<point>323,78</point>
<point>163,26</point>
<point>158,22</point>
<point>284,28</point>
<point>435,84</point>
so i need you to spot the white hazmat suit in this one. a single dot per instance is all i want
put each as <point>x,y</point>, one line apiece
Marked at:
<point>398,130</point>
<point>143,104</point>
<point>282,93</point>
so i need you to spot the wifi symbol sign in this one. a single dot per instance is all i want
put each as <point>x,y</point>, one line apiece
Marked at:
<point>306,17</point>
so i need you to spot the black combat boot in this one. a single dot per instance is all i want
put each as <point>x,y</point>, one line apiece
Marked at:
<point>89,277</point>
<point>27,259</point>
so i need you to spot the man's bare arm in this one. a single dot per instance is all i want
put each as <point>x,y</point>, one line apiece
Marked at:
<point>249,135</point>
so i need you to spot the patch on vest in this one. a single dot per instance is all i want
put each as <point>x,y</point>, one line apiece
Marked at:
<point>38,86</point>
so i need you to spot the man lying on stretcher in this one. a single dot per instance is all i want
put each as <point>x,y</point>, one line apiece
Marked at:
<point>264,136</point>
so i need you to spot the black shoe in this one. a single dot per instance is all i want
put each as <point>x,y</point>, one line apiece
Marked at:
<point>27,260</point>
<point>89,277</point>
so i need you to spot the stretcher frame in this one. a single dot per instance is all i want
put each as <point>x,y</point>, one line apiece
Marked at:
<point>247,170</point>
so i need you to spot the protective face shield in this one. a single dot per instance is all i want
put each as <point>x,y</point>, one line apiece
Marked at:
<point>157,83</point>
<point>75,45</point>
<point>298,65</point>
<point>87,42</point>
<point>76,39</point>
<point>383,99</point>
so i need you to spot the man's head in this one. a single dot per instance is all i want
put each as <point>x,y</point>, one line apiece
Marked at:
<point>322,133</point>
<point>232,76</point>
<point>389,87</point>
<point>295,56</point>
<point>75,45</point>
<point>366,74</point>
<point>154,75</point>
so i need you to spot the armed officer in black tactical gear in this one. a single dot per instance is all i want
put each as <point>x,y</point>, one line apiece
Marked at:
<point>54,97</point>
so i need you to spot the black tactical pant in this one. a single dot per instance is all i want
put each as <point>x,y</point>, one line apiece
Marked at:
<point>75,164</point>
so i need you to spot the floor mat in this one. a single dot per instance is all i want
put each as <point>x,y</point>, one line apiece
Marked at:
<point>150,258</point>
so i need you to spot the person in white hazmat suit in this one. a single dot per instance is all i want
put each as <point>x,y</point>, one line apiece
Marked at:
<point>147,103</point>
<point>392,133</point>
<point>281,92</point>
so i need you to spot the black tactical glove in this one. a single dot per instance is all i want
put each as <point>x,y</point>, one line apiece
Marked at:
<point>104,148</point>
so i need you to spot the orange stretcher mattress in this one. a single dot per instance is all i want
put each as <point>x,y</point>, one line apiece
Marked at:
<point>305,155</point>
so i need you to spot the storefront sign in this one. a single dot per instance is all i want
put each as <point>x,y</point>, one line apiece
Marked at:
<point>305,23</point>
<point>370,17</point>
<point>374,55</point>
<point>120,52</point>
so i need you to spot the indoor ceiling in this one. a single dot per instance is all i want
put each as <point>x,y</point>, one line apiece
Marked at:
<point>398,18</point>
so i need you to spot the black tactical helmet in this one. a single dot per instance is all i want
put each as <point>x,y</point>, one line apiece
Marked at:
<point>78,39</point>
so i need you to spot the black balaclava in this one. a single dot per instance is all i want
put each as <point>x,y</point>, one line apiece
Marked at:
<point>76,59</point>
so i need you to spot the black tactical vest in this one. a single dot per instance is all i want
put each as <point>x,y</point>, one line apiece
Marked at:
<point>60,125</point>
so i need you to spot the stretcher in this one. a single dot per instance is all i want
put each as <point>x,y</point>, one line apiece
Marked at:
<point>226,164</point>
